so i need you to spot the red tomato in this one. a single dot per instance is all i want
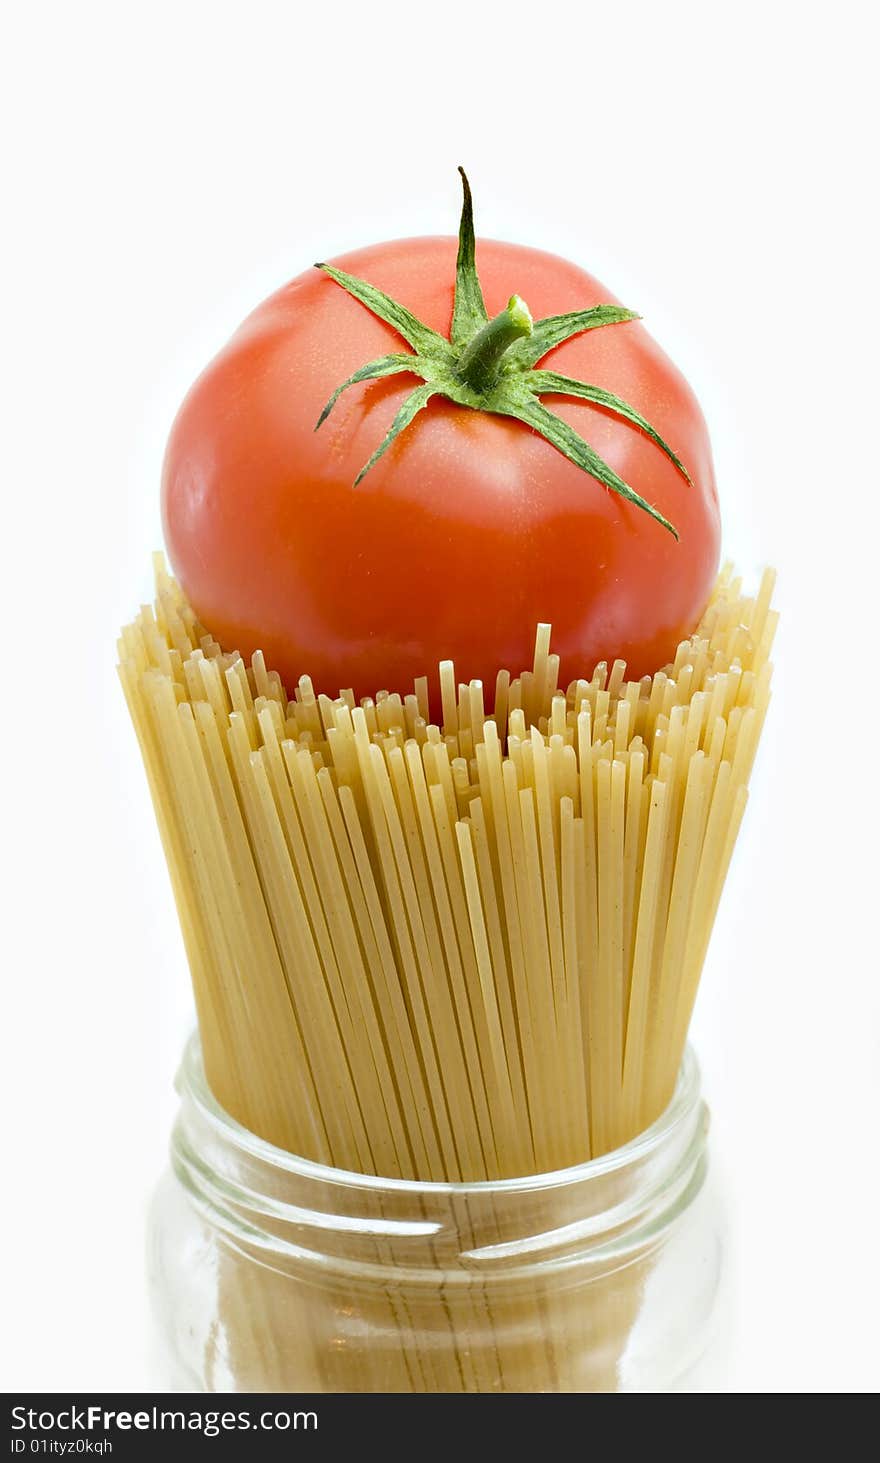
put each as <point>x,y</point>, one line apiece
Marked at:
<point>470,530</point>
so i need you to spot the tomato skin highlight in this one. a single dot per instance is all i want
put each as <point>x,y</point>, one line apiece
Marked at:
<point>470,530</point>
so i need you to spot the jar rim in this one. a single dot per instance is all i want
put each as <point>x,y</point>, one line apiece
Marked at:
<point>192,1083</point>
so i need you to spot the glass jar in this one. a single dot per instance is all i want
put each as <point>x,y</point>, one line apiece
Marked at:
<point>273,1274</point>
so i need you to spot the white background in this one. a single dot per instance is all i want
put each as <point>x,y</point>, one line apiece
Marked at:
<point>170,164</point>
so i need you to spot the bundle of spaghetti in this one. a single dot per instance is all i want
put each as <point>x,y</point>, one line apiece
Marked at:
<point>448,952</point>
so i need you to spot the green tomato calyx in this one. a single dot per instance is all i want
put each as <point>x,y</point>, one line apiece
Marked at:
<point>490,365</point>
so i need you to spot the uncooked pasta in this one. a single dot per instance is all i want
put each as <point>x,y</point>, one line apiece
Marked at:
<point>456,951</point>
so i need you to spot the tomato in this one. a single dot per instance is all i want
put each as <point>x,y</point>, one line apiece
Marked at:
<point>470,529</point>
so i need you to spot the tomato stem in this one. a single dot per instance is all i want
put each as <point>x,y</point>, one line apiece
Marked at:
<point>479,364</point>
